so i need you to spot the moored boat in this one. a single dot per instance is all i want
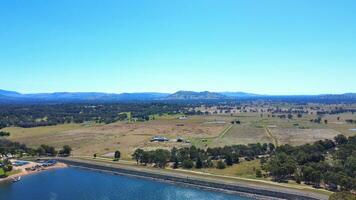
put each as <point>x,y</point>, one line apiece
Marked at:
<point>16,179</point>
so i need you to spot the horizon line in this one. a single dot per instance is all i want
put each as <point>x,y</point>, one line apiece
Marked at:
<point>161,92</point>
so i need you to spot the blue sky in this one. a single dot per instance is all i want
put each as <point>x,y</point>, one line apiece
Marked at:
<point>260,46</point>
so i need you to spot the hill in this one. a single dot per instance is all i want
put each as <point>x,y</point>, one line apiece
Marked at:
<point>91,97</point>
<point>190,95</point>
<point>239,94</point>
<point>11,96</point>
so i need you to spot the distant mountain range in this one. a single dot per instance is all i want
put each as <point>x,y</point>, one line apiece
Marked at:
<point>80,96</point>
<point>11,96</point>
<point>189,95</point>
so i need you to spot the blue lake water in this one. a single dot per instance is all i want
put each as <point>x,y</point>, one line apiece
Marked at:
<point>78,184</point>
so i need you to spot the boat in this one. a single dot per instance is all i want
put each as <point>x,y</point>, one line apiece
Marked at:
<point>16,179</point>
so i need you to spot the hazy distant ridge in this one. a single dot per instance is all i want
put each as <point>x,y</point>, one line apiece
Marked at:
<point>190,95</point>
<point>11,96</point>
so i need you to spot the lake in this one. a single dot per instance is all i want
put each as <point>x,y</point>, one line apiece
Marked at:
<point>79,184</point>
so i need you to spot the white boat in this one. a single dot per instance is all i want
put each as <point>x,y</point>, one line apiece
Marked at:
<point>16,179</point>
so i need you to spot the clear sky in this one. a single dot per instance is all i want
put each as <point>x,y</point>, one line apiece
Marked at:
<point>260,46</point>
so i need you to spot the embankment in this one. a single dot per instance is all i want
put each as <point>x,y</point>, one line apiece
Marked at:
<point>198,182</point>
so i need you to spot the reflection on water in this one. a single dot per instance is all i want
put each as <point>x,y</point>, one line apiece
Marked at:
<point>78,184</point>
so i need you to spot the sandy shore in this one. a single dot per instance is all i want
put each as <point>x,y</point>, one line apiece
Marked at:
<point>24,172</point>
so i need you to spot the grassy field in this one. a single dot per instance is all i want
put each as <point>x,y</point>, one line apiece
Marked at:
<point>245,169</point>
<point>2,173</point>
<point>202,131</point>
<point>87,139</point>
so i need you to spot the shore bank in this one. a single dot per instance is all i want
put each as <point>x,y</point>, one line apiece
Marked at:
<point>24,172</point>
<point>260,192</point>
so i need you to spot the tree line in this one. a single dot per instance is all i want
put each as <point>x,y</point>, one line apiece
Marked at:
<point>18,149</point>
<point>331,163</point>
<point>326,163</point>
<point>52,114</point>
<point>192,157</point>
<point>4,133</point>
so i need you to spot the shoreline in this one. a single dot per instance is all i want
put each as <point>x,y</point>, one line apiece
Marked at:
<point>25,172</point>
<point>186,185</point>
<point>257,192</point>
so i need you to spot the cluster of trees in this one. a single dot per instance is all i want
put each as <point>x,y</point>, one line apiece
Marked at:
<point>5,166</point>
<point>318,120</point>
<point>7,146</point>
<point>350,121</point>
<point>190,157</point>
<point>236,121</point>
<point>160,157</point>
<point>52,114</point>
<point>46,150</point>
<point>332,163</point>
<point>3,133</point>
<point>15,148</point>
<point>336,110</point>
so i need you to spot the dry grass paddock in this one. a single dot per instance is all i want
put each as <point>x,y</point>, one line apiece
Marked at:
<point>202,131</point>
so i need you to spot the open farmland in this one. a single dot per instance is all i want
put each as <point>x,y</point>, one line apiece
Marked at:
<point>102,139</point>
<point>201,130</point>
<point>297,136</point>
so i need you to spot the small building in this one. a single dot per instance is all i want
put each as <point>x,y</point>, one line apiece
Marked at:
<point>159,139</point>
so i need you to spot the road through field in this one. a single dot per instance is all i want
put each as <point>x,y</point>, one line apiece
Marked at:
<point>271,137</point>
<point>222,134</point>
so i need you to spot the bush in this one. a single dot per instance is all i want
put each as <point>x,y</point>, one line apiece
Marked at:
<point>3,133</point>
<point>342,196</point>
<point>117,155</point>
<point>208,164</point>
<point>229,159</point>
<point>258,173</point>
<point>199,163</point>
<point>220,165</point>
<point>187,164</point>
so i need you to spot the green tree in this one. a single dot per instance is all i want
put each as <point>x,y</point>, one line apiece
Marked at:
<point>193,152</point>
<point>281,166</point>
<point>311,174</point>
<point>340,139</point>
<point>174,153</point>
<point>66,150</point>
<point>188,164</point>
<point>199,163</point>
<point>176,163</point>
<point>350,166</point>
<point>117,155</point>
<point>138,155</point>
<point>342,196</point>
<point>41,151</point>
<point>229,159</point>
<point>161,157</point>
<point>146,157</point>
<point>220,165</point>
<point>258,173</point>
